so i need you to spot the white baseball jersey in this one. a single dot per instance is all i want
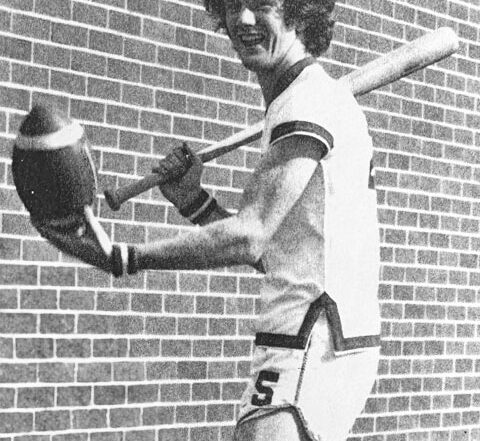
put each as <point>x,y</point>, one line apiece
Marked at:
<point>329,242</point>
<point>323,261</point>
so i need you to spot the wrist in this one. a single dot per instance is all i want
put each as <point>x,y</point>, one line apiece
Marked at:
<point>200,208</point>
<point>189,198</point>
<point>123,260</point>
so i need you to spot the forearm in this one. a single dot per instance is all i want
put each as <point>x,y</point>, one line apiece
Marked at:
<point>219,244</point>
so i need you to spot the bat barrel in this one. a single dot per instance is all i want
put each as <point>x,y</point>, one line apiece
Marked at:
<point>413,56</point>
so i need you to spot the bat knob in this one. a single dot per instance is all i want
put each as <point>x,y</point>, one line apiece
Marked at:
<point>112,200</point>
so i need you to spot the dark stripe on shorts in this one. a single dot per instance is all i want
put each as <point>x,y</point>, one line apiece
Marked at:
<point>300,340</point>
<point>304,128</point>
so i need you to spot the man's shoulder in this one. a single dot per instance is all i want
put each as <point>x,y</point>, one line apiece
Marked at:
<point>316,98</point>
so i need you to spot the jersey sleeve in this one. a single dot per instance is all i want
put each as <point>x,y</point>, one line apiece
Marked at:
<point>307,129</point>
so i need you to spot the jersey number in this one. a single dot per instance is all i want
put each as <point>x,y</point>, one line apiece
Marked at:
<point>265,393</point>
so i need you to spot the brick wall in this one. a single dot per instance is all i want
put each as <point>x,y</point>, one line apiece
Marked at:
<point>165,355</point>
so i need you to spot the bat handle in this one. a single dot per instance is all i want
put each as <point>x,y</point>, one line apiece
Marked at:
<point>115,198</point>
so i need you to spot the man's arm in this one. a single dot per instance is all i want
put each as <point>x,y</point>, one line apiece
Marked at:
<point>276,185</point>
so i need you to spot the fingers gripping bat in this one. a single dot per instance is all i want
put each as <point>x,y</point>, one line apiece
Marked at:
<point>392,66</point>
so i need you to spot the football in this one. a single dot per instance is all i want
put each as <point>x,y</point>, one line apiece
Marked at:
<point>52,167</point>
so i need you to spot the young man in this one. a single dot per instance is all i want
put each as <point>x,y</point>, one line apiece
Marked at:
<point>308,218</point>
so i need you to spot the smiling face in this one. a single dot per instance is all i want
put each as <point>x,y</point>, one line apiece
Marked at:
<point>259,34</point>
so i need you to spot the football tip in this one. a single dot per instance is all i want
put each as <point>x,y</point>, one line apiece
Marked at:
<point>43,119</point>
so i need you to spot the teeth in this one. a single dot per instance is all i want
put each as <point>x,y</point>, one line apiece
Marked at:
<point>249,39</point>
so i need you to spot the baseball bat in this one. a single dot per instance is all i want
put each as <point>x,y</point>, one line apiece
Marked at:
<point>406,59</point>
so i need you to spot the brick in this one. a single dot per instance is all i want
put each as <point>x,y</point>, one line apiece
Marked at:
<point>137,142</point>
<point>69,35</point>
<point>8,299</point>
<point>192,370</point>
<point>190,414</point>
<point>55,372</point>
<point>189,326</point>
<point>33,27</point>
<point>232,390</point>
<point>57,276</point>
<point>160,325</point>
<point>156,31</point>
<point>35,397</point>
<point>179,392</point>
<point>122,116</point>
<point>124,23</point>
<point>175,12</point>
<point>55,8</point>
<point>193,282</point>
<point>128,371</point>
<point>11,422</point>
<point>201,107</point>
<point>145,7</point>
<point>70,437</point>
<point>172,102</point>
<point>73,348</point>
<point>73,396</point>
<point>153,416</point>
<point>144,348</point>
<point>204,64</point>
<point>52,420</point>
<point>106,42</point>
<point>51,55</point>
<point>136,95</point>
<point>172,58</point>
<point>180,304</point>
<point>15,48</point>
<point>139,50</point>
<point>6,348</point>
<point>94,372</point>
<point>57,323</point>
<point>112,301</point>
<point>34,347</point>
<point>89,418</point>
<point>7,397</point>
<point>190,39</point>
<point>77,300</point>
<point>17,373</point>
<point>69,83</point>
<point>17,323</point>
<point>205,391</point>
<point>147,302</point>
<point>220,412</point>
<point>143,393</point>
<point>127,417</point>
<point>109,395</point>
<point>123,70</point>
<point>89,14</point>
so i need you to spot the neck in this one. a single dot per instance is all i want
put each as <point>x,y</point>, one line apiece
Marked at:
<point>268,78</point>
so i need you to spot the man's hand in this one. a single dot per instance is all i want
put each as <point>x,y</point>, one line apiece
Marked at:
<point>82,237</point>
<point>183,191</point>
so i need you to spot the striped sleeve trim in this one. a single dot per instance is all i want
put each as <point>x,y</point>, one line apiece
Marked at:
<point>303,128</point>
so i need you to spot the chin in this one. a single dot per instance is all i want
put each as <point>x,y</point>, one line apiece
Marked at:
<point>255,64</point>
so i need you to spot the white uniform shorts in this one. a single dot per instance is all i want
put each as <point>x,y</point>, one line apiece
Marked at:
<point>328,390</point>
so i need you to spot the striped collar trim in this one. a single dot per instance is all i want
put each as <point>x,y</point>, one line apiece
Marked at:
<point>289,77</point>
<point>67,135</point>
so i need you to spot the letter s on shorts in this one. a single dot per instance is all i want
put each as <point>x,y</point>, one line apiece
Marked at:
<point>263,376</point>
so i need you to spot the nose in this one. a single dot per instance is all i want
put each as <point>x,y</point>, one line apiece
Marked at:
<point>246,17</point>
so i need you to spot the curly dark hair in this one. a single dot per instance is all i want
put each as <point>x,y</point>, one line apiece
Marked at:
<point>311,19</point>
